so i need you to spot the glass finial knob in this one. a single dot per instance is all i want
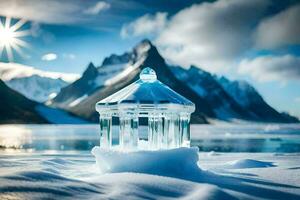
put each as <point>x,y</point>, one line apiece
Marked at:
<point>148,74</point>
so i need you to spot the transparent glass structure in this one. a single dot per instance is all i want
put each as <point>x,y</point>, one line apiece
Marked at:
<point>168,114</point>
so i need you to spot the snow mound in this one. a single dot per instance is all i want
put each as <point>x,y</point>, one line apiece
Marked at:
<point>247,163</point>
<point>181,162</point>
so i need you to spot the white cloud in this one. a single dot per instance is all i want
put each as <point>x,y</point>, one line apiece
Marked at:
<point>53,12</point>
<point>216,36</point>
<point>146,24</point>
<point>49,57</point>
<point>9,71</point>
<point>279,30</point>
<point>272,68</point>
<point>210,35</point>
<point>97,8</point>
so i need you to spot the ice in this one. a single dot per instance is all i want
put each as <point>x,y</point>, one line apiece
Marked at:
<point>167,111</point>
<point>129,132</point>
<point>155,131</point>
<point>105,131</point>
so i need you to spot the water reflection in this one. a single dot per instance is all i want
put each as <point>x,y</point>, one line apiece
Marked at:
<point>221,138</point>
<point>14,136</point>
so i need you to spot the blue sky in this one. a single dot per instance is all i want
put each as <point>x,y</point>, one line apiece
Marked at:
<point>257,40</point>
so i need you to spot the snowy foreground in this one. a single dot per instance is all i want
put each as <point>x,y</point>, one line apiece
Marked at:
<point>180,173</point>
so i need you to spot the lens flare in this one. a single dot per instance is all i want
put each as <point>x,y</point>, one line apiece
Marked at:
<point>10,38</point>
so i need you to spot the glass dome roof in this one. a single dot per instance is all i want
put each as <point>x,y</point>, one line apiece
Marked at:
<point>146,93</point>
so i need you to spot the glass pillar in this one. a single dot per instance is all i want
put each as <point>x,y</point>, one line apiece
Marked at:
<point>129,132</point>
<point>165,128</point>
<point>124,132</point>
<point>105,131</point>
<point>134,123</point>
<point>177,137</point>
<point>155,132</point>
<point>173,131</point>
<point>159,131</point>
<point>150,132</point>
<point>185,130</point>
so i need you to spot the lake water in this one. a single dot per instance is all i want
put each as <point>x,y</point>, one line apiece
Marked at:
<point>219,138</point>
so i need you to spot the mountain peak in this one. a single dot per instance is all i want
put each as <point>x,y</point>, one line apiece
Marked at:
<point>143,48</point>
<point>91,65</point>
<point>146,41</point>
<point>114,59</point>
<point>91,70</point>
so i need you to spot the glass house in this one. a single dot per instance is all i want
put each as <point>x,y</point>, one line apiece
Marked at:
<point>168,114</point>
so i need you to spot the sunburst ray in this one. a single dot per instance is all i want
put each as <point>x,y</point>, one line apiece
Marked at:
<point>10,38</point>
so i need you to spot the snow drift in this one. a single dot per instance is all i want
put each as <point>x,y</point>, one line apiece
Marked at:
<point>247,163</point>
<point>180,162</point>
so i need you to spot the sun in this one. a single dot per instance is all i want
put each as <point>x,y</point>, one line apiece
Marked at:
<point>10,38</point>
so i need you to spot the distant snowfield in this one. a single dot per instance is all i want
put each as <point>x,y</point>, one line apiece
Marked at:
<point>67,175</point>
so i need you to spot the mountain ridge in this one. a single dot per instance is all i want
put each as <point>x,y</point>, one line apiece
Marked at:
<point>211,97</point>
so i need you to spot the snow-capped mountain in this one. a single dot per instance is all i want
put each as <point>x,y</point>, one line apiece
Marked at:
<point>91,79</point>
<point>241,91</point>
<point>249,98</point>
<point>229,99</point>
<point>36,87</point>
<point>34,84</point>
<point>17,109</point>
<point>205,85</point>
<point>113,69</point>
<point>212,97</point>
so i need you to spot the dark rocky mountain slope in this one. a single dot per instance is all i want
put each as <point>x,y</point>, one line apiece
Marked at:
<point>15,108</point>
